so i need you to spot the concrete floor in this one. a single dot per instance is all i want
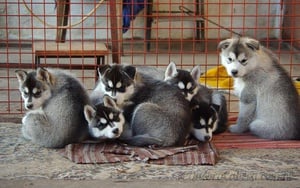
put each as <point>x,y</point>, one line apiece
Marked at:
<point>146,184</point>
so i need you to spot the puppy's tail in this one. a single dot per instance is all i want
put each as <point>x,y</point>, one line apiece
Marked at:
<point>143,140</point>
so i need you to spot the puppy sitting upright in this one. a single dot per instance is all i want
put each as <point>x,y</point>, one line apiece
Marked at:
<point>56,101</point>
<point>269,102</point>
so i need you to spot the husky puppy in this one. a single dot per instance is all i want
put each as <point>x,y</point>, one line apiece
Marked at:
<point>187,82</point>
<point>56,101</point>
<point>114,81</point>
<point>157,113</point>
<point>110,84</point>
<point>269,102</point>
<point>209,118</point>
<point>209,107</point>
<point>106,120</point>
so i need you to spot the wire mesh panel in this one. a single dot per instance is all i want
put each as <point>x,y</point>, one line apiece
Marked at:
<point>137,32</point>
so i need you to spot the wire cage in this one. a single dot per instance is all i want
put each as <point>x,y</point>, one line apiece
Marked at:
<point>78,35</point>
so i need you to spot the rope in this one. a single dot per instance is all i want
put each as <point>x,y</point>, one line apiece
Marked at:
<point>66,26</point>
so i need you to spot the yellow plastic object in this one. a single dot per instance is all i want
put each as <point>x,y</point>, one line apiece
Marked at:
<point>217,78</point>
<point>297,84</point>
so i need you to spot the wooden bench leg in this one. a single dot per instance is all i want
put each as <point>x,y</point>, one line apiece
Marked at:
<point>37,61</point>
<point>149,20</point>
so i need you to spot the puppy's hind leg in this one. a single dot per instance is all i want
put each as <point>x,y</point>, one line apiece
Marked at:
<point>151,126</point>
<point>34,124</point>
<point>260,128</point>
<point>271,130</point>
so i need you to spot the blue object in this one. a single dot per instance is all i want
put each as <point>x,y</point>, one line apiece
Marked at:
<point>130,9</point>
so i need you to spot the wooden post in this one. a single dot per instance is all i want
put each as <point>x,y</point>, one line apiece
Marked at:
<point>116,30</point>
<point>291,23</point>
<point>62,14</point>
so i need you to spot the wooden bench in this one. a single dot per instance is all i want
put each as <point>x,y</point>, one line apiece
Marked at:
<point>73,49</point>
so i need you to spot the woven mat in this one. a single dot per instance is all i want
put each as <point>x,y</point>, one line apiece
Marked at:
<point>248,141</point>
<point>229,140</point>
<point>193,153</point>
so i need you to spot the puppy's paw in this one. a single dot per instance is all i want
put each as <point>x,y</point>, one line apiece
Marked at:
<point>26,132</point>
<point>237,129</point>
<point>24,120</point>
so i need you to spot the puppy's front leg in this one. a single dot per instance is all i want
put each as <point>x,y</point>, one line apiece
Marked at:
<point>246,115</point>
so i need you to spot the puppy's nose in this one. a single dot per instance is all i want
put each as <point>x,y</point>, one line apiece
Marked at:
<point>116,131</point>
<point>207,138</point>
<point>234,72</point>
<point>29,106</point>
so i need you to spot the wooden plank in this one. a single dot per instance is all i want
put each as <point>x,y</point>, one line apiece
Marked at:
<point>115,27</point>
<point>62,14</point>
<point>73,48</point>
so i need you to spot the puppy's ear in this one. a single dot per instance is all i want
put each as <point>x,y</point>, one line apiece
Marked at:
<point>252,44</point>
<point>130,71</point>
<point>215,107</point>
<point>89,113</point>
<point>21,75</point>
<point>102,69</point>
<point>43,75</point>
<point>109,102</point>
<point>171,71</point>
<point>196,73</point>
<point>224,44</point>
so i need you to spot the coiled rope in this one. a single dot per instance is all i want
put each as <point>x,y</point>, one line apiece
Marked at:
<point>66,26</point>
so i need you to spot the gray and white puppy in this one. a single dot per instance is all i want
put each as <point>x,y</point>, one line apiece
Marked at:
<point>209,107</point>
<point>56,101</point>
<point>158,114</point>
<point>269,102</point>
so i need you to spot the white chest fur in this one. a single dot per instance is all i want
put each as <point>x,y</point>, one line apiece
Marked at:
<point>239,85</point>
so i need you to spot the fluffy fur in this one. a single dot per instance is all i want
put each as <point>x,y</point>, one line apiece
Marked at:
<point>269,102</point>
<point>156,113</point>
<point>56,101</point>
<point>159,115</point>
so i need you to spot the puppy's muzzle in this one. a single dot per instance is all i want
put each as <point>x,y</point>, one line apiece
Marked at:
<point>234,72</point>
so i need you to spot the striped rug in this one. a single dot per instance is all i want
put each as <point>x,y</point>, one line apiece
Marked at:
<point>193,153</point>
<point>248,141</point>
<point>228,140</point>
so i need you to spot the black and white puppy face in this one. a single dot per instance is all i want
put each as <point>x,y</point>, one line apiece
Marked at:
<point>205,119</point>
<point>184,80</point>
<point>34,88</point>
<point>106,120</point>
<point>117,81</point>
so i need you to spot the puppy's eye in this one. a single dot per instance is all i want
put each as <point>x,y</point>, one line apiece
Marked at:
<point>37,94</point>
<point>116,117</point>
<point>230,59</point>
<point>244,61</point>
<point>107,88</point>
